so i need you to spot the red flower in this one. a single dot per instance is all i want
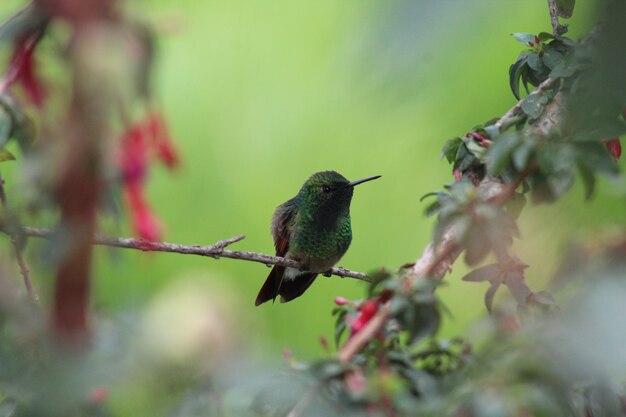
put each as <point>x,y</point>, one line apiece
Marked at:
<point>457,174</point>
<point>145,222</point>
<point>614,146</point>
<point>139,141</point>
<point>162,141</point>
<point>366,310</point>
<point>22,69</point>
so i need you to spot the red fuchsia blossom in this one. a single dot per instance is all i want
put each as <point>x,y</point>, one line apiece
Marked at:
<point>145,222</point>
<point>138,143</point>
<point>366,311</point>
<point>163,143</point>
<point>22,70</point>
<point>614,146</point>
<point>457,174</point>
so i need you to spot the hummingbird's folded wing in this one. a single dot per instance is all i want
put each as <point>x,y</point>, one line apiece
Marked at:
<point>282,226</point>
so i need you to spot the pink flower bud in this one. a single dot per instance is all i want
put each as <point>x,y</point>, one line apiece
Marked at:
<point>340,301</point>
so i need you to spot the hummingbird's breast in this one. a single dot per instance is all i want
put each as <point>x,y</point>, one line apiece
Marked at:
<point>318,245</point>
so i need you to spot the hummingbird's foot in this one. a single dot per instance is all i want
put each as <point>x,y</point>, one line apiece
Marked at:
<point>327,274</point>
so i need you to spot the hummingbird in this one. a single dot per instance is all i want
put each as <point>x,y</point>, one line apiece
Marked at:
<point>312,228</point>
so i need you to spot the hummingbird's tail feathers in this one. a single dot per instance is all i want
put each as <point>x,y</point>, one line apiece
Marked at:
<point>294,288</point>
<point>269,290</point>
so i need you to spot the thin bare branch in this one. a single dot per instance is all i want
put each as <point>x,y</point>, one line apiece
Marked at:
<point>554,17</point>
<point>24,271</point>
<point>216,251</point>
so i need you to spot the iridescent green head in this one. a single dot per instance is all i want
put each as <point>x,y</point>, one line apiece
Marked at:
<point>329,189</point>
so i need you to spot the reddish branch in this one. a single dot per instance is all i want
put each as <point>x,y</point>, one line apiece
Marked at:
<point>79,184</point>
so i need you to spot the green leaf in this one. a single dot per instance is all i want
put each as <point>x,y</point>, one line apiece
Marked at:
<point>524,38</point>
<point>534,104</point>
<point>522,154</point>
<point>24,133</point>
<point>596,157</point>
<point>515,73</point>
<point>450,149</point>
<point>552,58</point>
<point>601,130</point>
<point>5,155</point>
<point>420,320</point>
<point>340,325</point>
<point>475,149</point>
<point>325,369</point>
<point>535,62</point>
<point>545,36</point>
<point>589,180</point>
<point>566,68</point>
<point>557,165</point>
<point>6,125</point>
<point>432,209</point>
<point>565,8</point>
<point>499,152</point>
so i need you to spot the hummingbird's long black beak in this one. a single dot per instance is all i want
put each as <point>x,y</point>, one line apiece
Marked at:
<point>357,182</point>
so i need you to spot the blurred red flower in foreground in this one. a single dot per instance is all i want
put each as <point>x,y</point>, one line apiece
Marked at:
<point>22,70</point>
<point>138,141</point>
<point>366,311</point>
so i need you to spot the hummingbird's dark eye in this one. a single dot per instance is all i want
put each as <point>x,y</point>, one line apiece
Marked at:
<point>326,189</point>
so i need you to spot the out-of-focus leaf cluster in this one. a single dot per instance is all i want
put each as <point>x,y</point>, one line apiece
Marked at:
<point>543,59</point>
<point>536,361</point>
<point>567,129</point>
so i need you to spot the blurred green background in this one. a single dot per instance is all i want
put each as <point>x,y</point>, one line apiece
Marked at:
<point>260,94</point>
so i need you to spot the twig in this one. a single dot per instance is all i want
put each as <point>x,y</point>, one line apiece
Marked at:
<point>18,252</point>
<point>215,251</point>
<point>554,17</point>
<point>514,111</point>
